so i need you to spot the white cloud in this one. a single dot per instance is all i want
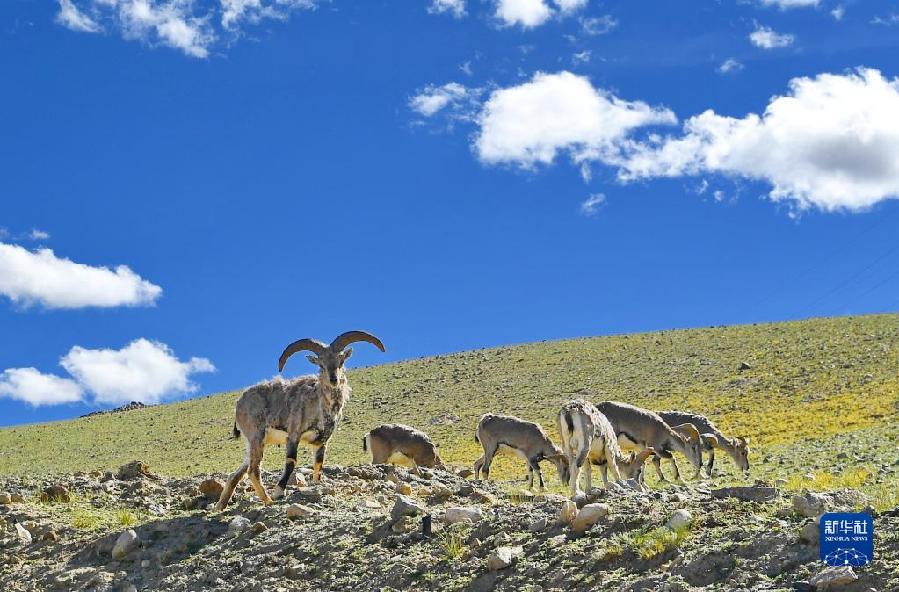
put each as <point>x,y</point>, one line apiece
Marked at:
<point>730,65</point>
<point>40,277</point>
<point>530,123</point>
<point>69,16</point>
<point>33,387</point>
<point>838,13</point>
<point>889,20</point>
<point>526,13</point>
<point>144,370</point>
<point>831,143</point>
<point>591,205</point>
<point>785,4</point>
<point>567,6</point>
<point>234,12</point>
<point>185,25</point>
<point>581,57</point>
<point>170,24</point>
<point>598,25</point>
<point>453,7</point>
<point>432,98</point>
<point>768,38</point>
<point>37,234</point>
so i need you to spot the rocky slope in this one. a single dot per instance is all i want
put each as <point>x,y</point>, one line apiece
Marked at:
<point>366,528</point>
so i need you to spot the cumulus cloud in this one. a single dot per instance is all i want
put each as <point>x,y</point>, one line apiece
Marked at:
<point>32,387</point>
<point>453,7</point>
<point>144,370</point>
<point>838,13</point>
<point>532,122</point>
<point>40,277</point>
<point>768,38</point>
<point>38,234</point>
<point>591,205</point>
<point>70,17</point>
<point>180,24</point>
<point>533,13</point>
<point>832,142</point>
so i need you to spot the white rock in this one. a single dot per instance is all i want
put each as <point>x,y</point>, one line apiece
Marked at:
<point>299,511</point>
<point>588,516</point>
<point>679,519</point>
<point>23,534</point>
<point>126,543</point>
<point>239,524</point>
<point>832,578</point>
<point>503,557</point>
<point>567,512</point>
<point>455,515</point>
<point>810,505</point>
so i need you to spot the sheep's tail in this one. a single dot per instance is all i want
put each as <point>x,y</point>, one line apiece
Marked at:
<point>235,432</point>
<point>365,443</point>
<point>569,421</point>
<point>476,439</point>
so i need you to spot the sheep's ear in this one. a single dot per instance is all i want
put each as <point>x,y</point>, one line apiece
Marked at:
<point>313,359</point>
<point>744,441</point>
<point>347,353</point>
<point>711,439</point>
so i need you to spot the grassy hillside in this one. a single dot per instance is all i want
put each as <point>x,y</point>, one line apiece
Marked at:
<point>812,384</point>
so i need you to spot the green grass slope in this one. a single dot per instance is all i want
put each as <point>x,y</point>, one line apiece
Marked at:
<point>811,384</point>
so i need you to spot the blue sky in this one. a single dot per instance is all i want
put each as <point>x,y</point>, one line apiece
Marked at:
<point>448,176</point>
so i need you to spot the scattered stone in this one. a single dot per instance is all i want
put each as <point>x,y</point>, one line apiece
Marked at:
<point>580,500</point>
<point>50,535</point>
<point>211,489</point>
<point>295,511</point>
<point>680,519</point>
<point>810,505</point>
<point>456,515</point>
<point>744,366</point>
<point>298,479</point>
<point>405,506</point>
<point>5,498</point>
<point>238,524</point>
<point>403,525</point>
<point>503,557</point>
<point>537,525</point>
<point>23,534</point>
<point>810,533</point>
<point>588,516</point>
<point>55,493</point>
<point>567,512</point>
<point>126,543</point>
<point>133,470</point>
<point>832,578</point>
<point>465,473</point>
<point>752,493</point>
<point>259,527</point>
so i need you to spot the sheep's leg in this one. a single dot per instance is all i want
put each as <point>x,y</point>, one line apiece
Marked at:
<point>318,459</point>
<point>415,467</point>
<point>256,452</point>
<point>677,476</point>
<point>588,476</point>
<point>534,467</point>
<point>289,466</point>
<point>488,460</point>
<point>477,467</point>
<point>235,478</point>
<point>574,476</point>
<point>711,462</point>
<point>657,462</point>
<point>604,468</point>
<point>611,461</point>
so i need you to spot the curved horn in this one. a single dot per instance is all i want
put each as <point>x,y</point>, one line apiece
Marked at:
<point>343,340</point>
<point>313,345</point>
